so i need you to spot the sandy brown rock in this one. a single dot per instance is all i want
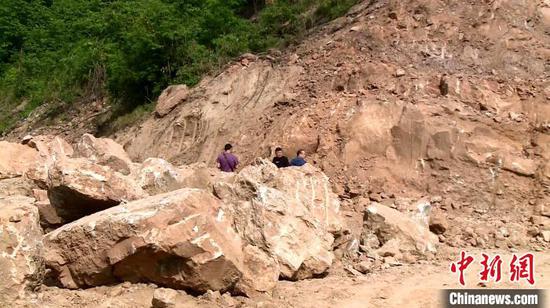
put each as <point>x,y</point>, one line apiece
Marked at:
<point>393,228</point>
<point>268,202</point>
<point>15,159</point>
<point>49,218</point>
<point>21,261</point>
<point>104,151</point>
<point>156,175</point>
<point>247,237</point>
<point>250,89</point>
<point>164,298</point>
<point>260,272</point>
<point>521,166</point>
<point>21,186</point>
<point>50,147</point>
<point>180,240</point>
<point>438,223</point>
<point>170,98</point>
<point>79,187</point>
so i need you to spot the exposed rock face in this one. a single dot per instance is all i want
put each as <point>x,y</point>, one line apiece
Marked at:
<point>391,232</point>
<point>289,213</point>
<point>78,187</point>
<point>105,152</point>
<point>15,159</point>
<point>191,129</point>
<point>21,261</point>
<point>181,240</point>
<point>170,98</point>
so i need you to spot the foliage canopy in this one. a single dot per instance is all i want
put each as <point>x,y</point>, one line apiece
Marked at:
<point>129,50</point>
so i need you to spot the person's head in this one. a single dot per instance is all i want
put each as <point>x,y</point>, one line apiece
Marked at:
<point>279,152</point>
<point>301,153</point>
<point>227,147</point>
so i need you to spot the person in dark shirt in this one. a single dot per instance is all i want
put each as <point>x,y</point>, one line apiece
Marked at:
<point>280,160</point>
<point>226,161</point>
<point>300,159</point>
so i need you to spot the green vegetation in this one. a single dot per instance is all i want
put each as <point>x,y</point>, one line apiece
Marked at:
<point>62,51</point>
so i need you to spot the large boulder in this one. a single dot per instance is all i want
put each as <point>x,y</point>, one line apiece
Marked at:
<point>21,261</point>
<point>16,159</point>
<point>392,233</point>
<point>290,213</point>
<point>156,176</point>
<point>105,152</point>
<point>170,98</point>
<point>50,149</point>
<point>180,239</point>
<point>78,187</point>
<point>266,223</point>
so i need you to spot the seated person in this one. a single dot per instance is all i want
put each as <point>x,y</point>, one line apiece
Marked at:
<point>299,160</point>
<point>280,160</point>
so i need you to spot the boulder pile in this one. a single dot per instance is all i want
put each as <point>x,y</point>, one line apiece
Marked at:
<point>108,219</point>
<point>89,216</point>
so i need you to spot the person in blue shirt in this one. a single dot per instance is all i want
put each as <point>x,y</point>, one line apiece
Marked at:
<point>300,159</point>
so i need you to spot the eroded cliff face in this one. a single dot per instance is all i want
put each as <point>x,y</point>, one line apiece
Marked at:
<point>230,106</point>
<point>405,98</point>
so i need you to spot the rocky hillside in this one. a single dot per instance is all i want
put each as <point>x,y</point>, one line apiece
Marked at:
<point>399,100</point>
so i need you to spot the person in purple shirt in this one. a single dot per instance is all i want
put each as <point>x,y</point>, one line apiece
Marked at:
<point>227,162</point>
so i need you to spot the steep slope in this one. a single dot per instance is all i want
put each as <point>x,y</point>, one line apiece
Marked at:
<point>395,101</point>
